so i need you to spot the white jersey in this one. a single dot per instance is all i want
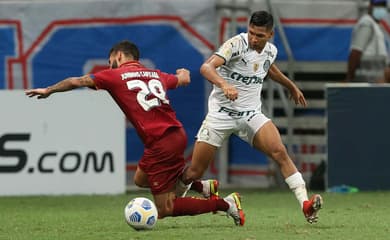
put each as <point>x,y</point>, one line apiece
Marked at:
<point>245,69</point>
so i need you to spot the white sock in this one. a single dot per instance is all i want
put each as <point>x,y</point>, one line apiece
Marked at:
<point>298,186</point>
<point>206,188</point>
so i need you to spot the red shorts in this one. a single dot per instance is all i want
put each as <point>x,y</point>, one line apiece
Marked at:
<point>163,160</point>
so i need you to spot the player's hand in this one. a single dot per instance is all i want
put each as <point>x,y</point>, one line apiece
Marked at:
<point>182,71</point>
<point>230,91</point>
<point>298,97</point>
<point>184,77</point>
<point>39,92</point>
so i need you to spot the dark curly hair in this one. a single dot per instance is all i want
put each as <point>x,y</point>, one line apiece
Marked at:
<point>127,47</point>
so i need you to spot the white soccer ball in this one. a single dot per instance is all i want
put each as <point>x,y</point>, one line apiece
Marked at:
<point>141,213</point>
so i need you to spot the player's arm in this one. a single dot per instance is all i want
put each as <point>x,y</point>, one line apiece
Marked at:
<point>353,63</point>
<point>209,71</point>
<point>361,38</point>
<point>276,75</point>
<point>183,76</point>
<point>62,86</point>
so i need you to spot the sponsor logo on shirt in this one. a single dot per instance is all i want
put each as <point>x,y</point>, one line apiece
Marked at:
<point>246,79</point>
<point>234,113</point>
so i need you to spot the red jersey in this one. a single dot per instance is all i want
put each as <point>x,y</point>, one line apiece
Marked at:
<point>141,93</point>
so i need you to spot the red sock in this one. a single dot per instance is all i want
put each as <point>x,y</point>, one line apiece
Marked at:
<point>195,206</point>
<point>197,186</point>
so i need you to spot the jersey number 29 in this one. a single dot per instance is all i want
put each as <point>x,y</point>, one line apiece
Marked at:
<point>153,87</point>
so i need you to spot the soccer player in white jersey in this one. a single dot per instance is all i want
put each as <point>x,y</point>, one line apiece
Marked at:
<point>237,71</point>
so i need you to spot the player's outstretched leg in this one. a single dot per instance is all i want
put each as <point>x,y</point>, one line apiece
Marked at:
<point>184,206</point>
<point>235,209</point>
<point>311,207</point>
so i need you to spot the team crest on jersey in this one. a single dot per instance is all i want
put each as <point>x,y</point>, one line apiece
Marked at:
<point>267,65</point>
<point>227,52</point>
<point>255,67</point>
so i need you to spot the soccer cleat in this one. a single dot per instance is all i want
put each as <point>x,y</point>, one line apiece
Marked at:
<point>311,207</point>
<point>210,189</point>
<point>235,209</point>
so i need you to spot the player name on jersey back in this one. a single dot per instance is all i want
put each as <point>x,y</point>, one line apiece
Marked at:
<point>145,74</point>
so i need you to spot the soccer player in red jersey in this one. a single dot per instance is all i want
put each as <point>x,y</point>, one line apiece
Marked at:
<point>141,93</point>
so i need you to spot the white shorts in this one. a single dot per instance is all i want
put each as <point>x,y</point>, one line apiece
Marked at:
<point>214,131</point>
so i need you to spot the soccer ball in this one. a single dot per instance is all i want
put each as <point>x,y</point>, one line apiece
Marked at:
<point>141,213</point>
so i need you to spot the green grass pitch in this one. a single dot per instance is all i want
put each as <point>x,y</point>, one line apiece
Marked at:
<point>269,215</point>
